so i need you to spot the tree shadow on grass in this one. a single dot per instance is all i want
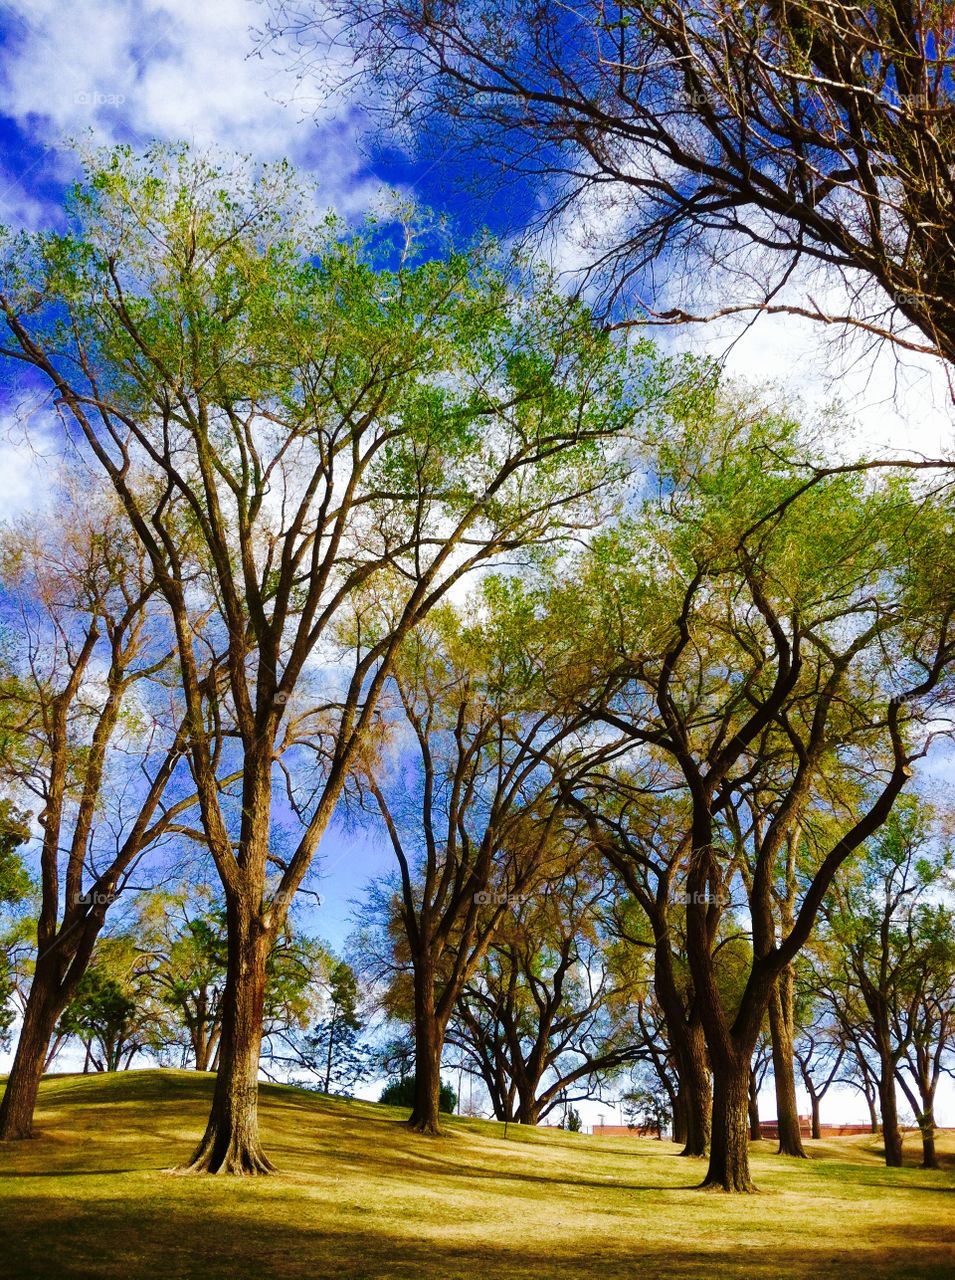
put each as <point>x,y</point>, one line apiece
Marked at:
<point>190,1240</point>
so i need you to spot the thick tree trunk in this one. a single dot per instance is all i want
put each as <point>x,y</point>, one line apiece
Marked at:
<point>429,1042</point>
<point>44,1005</point>
<point>231,1140</point>
<point>696,1088</point>
<point>753,1108</point>
<point>527,1112</point>
<point>729,1150</point>
<point>784,1075</point>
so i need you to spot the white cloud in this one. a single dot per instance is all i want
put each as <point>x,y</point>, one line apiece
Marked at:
<point>27,461</point>
<point>130,70</point>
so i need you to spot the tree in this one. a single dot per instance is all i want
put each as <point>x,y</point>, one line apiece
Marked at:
<point>641,836</point>
<point>752,640</point>
<point>548,1010</point>
<point>300,425</point>
<point>819,1055</point>
<point>773,142</point>
<point>107,1017</point>
<point>15,886</point>
<point>925,1024</point>
<point>94,741</point>
<point>181,937</point>
<point>474,811</point>
<point>762,1060</point>
<point>333,1049</point>
<point>895,949</point>
<point>647,1105</point>
<point>401,1093</point>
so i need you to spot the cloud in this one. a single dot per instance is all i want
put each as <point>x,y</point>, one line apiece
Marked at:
<point>26,463</point>
<point>130,70</point>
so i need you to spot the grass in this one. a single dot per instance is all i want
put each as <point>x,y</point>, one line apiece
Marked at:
<point>360,1197</point>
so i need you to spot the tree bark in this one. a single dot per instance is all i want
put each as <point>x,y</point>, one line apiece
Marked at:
<point>816,1123</point>
<point>679,1116</point>
<point>784,1075</point>
<point>753,1107</point>
<point>696,1089</point>
<point>45,1003</point>
<point>231,1141</point>
<point>429,1042</point>
<point>729,1150</point>
<point>927,1130</point>
<point>891,1133</point>
<point>528,1110</point>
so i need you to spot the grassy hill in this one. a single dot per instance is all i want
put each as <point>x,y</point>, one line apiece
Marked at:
<point>360,1197</point>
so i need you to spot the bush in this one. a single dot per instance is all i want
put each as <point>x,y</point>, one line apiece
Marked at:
<point>400,1093</point>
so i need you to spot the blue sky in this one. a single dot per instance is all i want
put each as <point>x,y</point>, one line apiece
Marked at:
<point>133,70</point>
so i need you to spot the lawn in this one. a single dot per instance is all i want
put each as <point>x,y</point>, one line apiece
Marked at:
<point>358,1196</point>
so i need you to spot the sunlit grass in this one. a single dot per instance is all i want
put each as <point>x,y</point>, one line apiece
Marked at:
<point>359,1196</point>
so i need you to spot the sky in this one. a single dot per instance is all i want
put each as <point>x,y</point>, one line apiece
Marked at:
<point>129,71</point>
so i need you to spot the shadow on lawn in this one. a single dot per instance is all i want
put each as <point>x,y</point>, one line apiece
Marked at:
<point>200,1242</point>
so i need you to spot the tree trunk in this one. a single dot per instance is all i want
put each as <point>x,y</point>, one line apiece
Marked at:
<point>753,1108</point>
<point>930,1156</point>
<point>890,1117</point>
<point>427,1063</point>
<point>231,1140</point>
<point>696,1087</point>
<point>729,1150</point>
<point>816,1124</point>
<point>927,1130</point>
<point>528,1110</point>
<point>44,1005</point>
<point>784,1076</point>
<point>680,1127</point>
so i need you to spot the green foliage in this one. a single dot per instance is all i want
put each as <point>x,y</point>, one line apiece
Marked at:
<point>333,1049</point>
<point>400,1093</point>
<point>103,1015</point>
<point>15,882</point>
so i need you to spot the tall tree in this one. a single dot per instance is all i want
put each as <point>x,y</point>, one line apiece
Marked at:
<point>784,639</point>
<point>475,809</point>
<point>300,425</point>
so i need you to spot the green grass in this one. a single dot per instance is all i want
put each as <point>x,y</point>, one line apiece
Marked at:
<point>358,1196</point>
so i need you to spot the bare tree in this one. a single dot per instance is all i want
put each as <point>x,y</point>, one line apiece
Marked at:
<point>772,142</point>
